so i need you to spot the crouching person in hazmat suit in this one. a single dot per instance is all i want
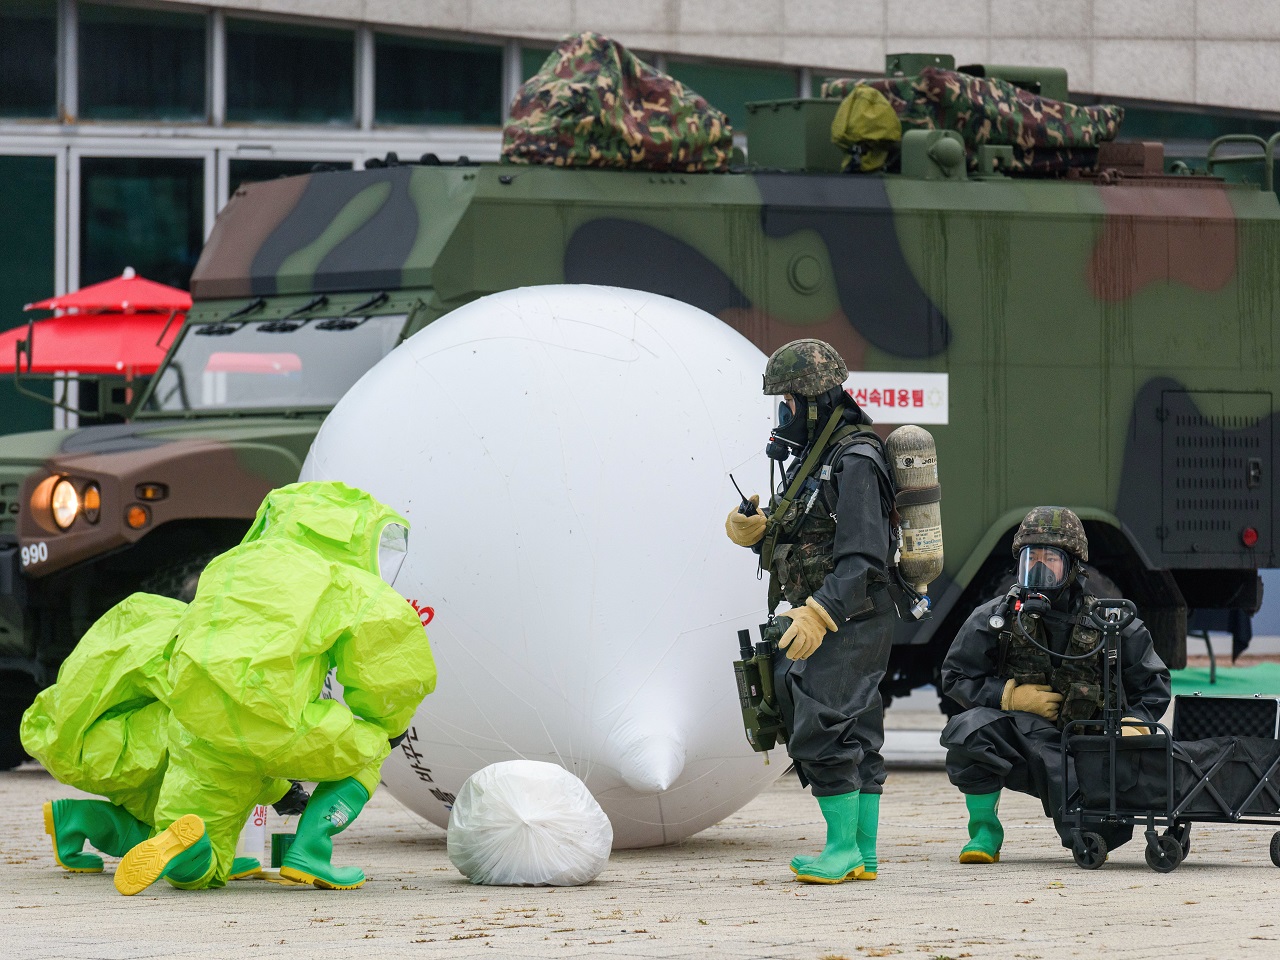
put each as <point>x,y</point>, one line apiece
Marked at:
<point>308,590</point>
<point>825,543</point>
<point>1026,664</point>
<point>103,727</point>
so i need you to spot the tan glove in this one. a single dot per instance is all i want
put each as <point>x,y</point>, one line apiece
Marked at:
<point>1037,698</point>
<point>1134,731</point>
<point>745,531</point>
<point>809,624</point>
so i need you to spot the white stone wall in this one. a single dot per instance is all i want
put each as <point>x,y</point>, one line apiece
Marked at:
<point>1219,52</point>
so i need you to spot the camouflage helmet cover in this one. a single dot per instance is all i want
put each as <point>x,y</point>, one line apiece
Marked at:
<point>1052,527</point>
<point>804,368</point>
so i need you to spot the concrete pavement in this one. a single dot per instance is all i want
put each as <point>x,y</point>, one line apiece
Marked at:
<point>726,893</point>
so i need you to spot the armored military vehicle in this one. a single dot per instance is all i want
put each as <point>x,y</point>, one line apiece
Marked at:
<point>1104,339</point>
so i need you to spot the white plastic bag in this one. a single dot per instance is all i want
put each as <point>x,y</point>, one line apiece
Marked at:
<point>523,822</point>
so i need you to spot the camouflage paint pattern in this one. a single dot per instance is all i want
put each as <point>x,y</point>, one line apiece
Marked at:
<point>1052,527</point>
<point>596,104</point>
<point>805,367</point>
<point>1047,136</point>
<point>1079,681</point>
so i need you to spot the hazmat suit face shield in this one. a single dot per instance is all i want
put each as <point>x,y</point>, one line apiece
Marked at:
<point>393,547</point>
<point>1043,569</point>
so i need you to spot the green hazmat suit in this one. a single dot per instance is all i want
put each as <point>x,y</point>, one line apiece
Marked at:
<point>301,595</point>
<point>103,727</point>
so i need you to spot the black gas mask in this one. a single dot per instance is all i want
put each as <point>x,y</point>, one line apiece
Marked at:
<point>790,431</point>
<point>1044,570</point>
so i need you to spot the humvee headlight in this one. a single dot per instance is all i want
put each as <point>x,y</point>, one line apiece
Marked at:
<point>92,503</point>
<point>65,503</point>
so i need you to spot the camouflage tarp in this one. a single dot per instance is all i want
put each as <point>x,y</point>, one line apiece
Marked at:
<point>596,104</point>
<point>1047,136</point>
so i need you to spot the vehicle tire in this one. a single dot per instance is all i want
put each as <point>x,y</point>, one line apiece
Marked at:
<point>1089,850</point>
<point>1164,854</point>
<point>1275,848</point>
<point>17,692</point>
<point>179,579</point>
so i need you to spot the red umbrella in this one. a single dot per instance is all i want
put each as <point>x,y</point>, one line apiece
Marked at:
<point>121,326</point>
<point>127,293</point>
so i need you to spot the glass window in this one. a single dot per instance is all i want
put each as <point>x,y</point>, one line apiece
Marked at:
<point>286,73</point>
<point>141,64</point>
<point>435,81</point>
<point>28,58</point>
<point>729,86</point>
<point>27,265</point>
<point>269,364</point>
<point>253,171</point>
<point>532,59</point>
<point>145,213</point>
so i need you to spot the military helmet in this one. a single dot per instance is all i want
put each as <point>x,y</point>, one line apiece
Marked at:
<point>1052,527</point>
<point>804,368</point>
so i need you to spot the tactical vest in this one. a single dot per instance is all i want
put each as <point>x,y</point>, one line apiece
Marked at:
<point>1079,681</point>
<point>803,547</point>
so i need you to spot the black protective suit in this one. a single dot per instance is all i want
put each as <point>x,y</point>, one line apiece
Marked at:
<point>989,748</point>
<point>830,701</point>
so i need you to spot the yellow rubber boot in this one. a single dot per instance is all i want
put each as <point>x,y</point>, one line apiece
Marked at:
<point>181,852</point>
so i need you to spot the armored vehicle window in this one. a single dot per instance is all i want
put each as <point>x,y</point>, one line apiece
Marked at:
<point>254,171</point>
<point>29,58</point>
<point>730,86</point>
<point>141,64</point>
<point>434,81</point>
<point>145,213</point>
<point>291,74</point>
<point>271,365</point>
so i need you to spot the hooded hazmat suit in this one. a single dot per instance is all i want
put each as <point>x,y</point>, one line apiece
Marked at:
<point>301,595</point>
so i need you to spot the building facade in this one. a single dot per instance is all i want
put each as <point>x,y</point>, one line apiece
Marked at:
<point>126,124</point>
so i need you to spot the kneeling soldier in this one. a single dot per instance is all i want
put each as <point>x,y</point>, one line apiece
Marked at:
<point>1022,678</point>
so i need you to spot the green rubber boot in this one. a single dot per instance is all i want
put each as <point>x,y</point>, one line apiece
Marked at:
<point>70,823</point>
<point>180,853</point>
<point>868,832</point>
<point>840,859</point>
<point>242,868</point>
<point>986,835</point>
<point>330,810</point>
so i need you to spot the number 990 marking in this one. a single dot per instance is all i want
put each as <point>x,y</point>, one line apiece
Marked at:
<point>36,553</point>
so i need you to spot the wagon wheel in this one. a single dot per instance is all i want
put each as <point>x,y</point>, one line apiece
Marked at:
<point>1275,848</point>
<point>1164,854</point>
<point>1089,850</point>
<point>1182,833</point>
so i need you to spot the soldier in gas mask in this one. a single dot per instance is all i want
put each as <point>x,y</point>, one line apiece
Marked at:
<point>1026,664</point>
<point>825,542</point>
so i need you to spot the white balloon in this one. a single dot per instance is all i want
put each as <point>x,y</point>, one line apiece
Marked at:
<point>563,455</point>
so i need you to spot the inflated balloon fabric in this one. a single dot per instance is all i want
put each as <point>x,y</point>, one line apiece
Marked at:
<point>526,823</point>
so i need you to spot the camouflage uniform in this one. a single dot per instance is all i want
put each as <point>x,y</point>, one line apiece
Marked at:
<point>989,748</point>
<point>1047,136</point>
<point>833,544</point>
<point>596,104</point>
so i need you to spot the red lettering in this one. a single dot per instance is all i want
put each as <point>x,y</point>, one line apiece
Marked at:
<point>888,398</point>
<point>902,398</point>
<point>425,614</point>
<point>917,398</point>
<point>874,397</point>
<point>860,395</point>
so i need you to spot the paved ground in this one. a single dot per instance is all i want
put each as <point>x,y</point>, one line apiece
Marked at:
<point>724,893</point>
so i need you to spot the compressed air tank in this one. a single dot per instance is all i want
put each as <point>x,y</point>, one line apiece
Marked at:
<point>913,458</point>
